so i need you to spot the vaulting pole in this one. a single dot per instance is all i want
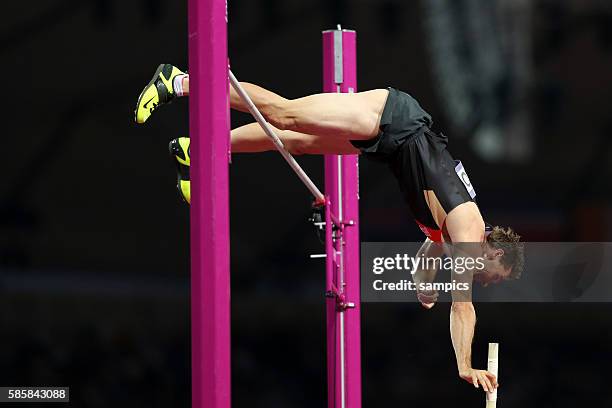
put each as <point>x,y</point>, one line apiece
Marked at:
<point>493,368</point>
<point>342,190</point>
<point>209,129</point>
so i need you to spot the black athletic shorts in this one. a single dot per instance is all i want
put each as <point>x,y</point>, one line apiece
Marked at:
<point>432,182</point>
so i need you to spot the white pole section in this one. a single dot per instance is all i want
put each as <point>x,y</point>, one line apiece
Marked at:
<point>493,368</point>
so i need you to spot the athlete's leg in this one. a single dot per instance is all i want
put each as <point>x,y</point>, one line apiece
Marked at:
<point>252,139</point>
<point>345,116</point>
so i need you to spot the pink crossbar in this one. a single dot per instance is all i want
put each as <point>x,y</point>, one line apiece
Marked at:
<point>342,241</point>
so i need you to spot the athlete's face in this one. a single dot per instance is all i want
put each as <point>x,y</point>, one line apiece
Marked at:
<point>493,271</point>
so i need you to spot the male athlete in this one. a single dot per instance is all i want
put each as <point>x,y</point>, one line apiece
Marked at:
<point>385,125</point>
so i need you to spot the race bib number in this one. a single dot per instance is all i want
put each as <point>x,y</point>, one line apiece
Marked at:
<point>465,179</point>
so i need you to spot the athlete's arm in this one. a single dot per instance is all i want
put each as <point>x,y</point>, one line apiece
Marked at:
<point>466,229</point>
<point>428,250</point>
<point>462,322</point>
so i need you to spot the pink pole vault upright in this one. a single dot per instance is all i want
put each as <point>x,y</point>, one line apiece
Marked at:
<point>342,238</point>
<point>209,129</point>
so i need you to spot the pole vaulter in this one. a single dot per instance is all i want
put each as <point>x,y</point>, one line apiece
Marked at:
<point>385,125</point>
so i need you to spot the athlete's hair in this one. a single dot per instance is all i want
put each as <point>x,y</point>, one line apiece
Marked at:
<point>514,251</point>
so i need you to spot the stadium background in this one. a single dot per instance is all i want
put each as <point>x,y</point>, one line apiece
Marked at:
<point>94,240</point>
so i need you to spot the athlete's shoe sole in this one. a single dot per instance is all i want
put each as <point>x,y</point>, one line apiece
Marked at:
<point>179,151</point>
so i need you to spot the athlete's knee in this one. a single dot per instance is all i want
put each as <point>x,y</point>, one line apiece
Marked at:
<point>300,145</point>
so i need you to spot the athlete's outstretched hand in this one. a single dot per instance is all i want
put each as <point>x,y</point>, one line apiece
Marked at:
<point>428,298</point>
<point>482,377</point>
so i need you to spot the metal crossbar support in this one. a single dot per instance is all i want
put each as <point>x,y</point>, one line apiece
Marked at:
<point>342,238</point>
